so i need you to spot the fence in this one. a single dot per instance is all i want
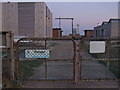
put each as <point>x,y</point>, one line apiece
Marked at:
<point>100,59</point>
<point>7,56</point>
<point>39,59</point>
<point>45,59</point>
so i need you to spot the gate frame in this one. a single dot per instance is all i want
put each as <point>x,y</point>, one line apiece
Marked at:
<point>75,59</point>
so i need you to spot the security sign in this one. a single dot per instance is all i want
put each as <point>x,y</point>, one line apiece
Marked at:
<point>37,54</point>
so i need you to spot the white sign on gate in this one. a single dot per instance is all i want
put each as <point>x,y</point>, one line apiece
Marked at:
<point>37,54</point>
<point>97,46</point>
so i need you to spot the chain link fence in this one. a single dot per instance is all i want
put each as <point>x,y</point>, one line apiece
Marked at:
<point>45,59</point>
<point>101,65</point>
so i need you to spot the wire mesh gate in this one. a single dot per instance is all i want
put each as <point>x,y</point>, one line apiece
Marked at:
<point>45,59</point>
<point>100,65</point>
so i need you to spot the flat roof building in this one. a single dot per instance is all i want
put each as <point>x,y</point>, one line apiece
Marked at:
<point>31,19</point>
<point>57,32</point>
<point>88,33</point>
<point>108,29</point>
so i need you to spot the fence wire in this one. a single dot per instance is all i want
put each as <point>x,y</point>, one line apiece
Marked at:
<point>100,66</point>
<point>45,59</point>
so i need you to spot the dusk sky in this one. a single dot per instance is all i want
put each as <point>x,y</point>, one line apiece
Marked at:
<point>86,14</point>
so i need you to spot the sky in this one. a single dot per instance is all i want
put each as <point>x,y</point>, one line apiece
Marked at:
<point>86,14</point>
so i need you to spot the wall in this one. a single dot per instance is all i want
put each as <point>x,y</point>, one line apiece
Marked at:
<point>89,33</point>
<point>32,19</point>
<point>10,17</point>
<point>56,33</point>
<point>114,29</point>
<point>26,20</point>
<point>40,20</point>
<point>43,20</point>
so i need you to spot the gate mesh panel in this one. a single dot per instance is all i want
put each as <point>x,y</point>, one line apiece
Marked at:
<point>6,63</point>
<point>46,59</point>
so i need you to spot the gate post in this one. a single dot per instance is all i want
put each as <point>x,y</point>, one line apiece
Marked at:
<point>10,40</point>
<point>0,45</point>
<point>77,62</point>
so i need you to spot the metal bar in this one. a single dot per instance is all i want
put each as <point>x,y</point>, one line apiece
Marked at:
<point>67,80</point>
<point>74,60</point>
<point>108,56</point>
<point>17,64</point>
<point>46,60</point>
<point>72,30</point>
<point>63,18</point>
<point>109,79</point>
<point>81,59</point>
<point>42,39</point>
<point>46,63</point>
<point>59,23</point>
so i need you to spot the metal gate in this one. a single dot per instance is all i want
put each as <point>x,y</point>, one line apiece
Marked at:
<point>100,59</point>
<point>45,59</point>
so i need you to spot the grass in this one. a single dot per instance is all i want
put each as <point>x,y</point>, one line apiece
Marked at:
<point>113,53</point>
<point>26,68</point>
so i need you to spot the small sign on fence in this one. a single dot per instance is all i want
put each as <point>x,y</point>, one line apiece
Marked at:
<point>97,46</point>
<point>37,54</point>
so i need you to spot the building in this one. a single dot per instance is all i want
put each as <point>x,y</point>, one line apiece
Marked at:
<point>88,33</point>
<point>31,19</point>
<point>57,32</point>
<point>108,29</point>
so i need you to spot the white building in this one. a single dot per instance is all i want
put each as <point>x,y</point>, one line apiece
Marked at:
<point>31,19</point>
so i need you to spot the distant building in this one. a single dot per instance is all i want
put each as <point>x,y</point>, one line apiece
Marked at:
<point>32,19</point>
<point>74,35</point>
<point>57,32</point>
<point>108,29</point>
<point>88,33</point>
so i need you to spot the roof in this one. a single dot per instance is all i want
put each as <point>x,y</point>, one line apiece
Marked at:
<point>113,20</point>
<point>88,30</point>
<point>107,22</point>
<point>57,29</point>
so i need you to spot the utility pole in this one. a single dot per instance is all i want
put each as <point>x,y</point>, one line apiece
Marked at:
<point>65,19</point>
<point>78,28</point>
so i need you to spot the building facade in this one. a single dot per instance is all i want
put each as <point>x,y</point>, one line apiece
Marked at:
<point>88,33</point>
<point>31,19</point>
<point>108,29</point>
<point>57,32</point>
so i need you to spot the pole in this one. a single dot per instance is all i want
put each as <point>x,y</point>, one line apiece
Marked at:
<point>59,22</point>
<point>66,19</point>
<point>72,29</point>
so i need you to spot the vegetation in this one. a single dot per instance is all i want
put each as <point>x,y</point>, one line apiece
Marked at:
<point>26,68</point>
<point>112,53</point>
